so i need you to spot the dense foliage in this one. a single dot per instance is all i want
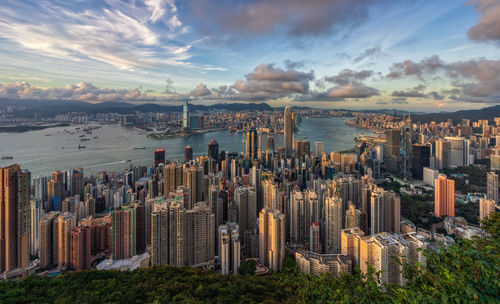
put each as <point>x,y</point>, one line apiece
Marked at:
<point>464,273</point>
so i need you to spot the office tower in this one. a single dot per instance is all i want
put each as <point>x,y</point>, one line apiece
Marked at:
<point>251,144</point>
<point>188,154</point>
<point>333,224</point>
<point>319,148</point>
<point>385,211</point>
<point>14,217</point>
<point>41,190</point>
<point>458,151</point>
<point>81,245</point>
<point>199,236</point>
<point>352,216</point>
<point>350,242</point>
<point>420,159</point>
<point>486,206</point>
<point>229,248</point>
<point>296,220</point>
<point>185,115</point>
<point>47,239</point>
<point>492,186</point>
<point>140,225</point>
<point>36,213</point>
<point>430,175</point>
<point>245,199</point>
<point>77,182</point>
<point>176,234</point>
<point>314,238</point>
<point>172,178</point>
<point>442,154</point>
<point>159,156</point>
<point>213,150</point>
<point>270,143</point>
<point>272,238</point>
<point>392,150</point>
<point>317,264</point>
<point>55,191</point>
<point>288,131</point>
<point>65,222</point>
<point>193,180</point>
<point>444,196</point>
<point>406,147</point>
<point>495,158</point>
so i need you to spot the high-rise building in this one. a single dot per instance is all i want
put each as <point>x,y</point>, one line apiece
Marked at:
<point>492,186</point>
<point>272,238</point>
<point>172,178</point>
<point>245,199</point>
<point>442,154</point>
<point>193,181</point>
<point>65,222</point>
<point>199,236</point>
<point>319,148</point>
<point>385,211</point>
<point>213,150</point>
<point>159,156</point>
<point>317,264</point>
<point>123,233</point>
<point>185,115</point>
<point>392,150</point>
<point>333,224</point>
<point>350,242</point>
<point>229,248</point>
<point>314,238</point>
<point>14,218</point>
<point>251,144</point>
<point>495,158</point>
<point>81,245</point>
<point>46,255</point>
<point>459,151</point>
<point>420,159</point>
<point>270,143</point>
<point>486,206</point>
<point>55,191</point>
<point>188,154</point>
<point>352,216</point>
<point>444,196</point>
<point>288,130</point>
<point>36,213</point>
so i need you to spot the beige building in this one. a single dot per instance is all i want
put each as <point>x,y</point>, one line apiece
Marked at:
<point>46,237</point>
<point>65,222</point>
<point>486,206</point>
<point>317,264</point>
<point>350,239</point>
<point>333,224</point>
<point>272,238</point>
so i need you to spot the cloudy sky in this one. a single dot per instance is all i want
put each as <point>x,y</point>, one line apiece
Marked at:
<point>418,55</point>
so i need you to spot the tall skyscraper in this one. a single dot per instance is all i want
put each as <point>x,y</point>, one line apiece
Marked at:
<point>350,242</point>
<point>159,156</point>
<point>81,245</point>
<point>319,148</point>
<point>384,211</point>
<point>444,196</point>
<point>36,213</point>
<point>252,144</point>
<point>459,151</point>
<point>65,222</point>
<point>199,237</point>
<point>188,153</point>
<point>185,115</point>
<point>56,192</point>
<point>123,233</point>
<point>442,154</point>
<point>420,159</point>
<point>314,238</point>
<point>47,246</point>
<point>272,238</point>
<point>392,150</point>
<point>14,217</point>
<point>245,199</point>
<point>270,143</point>
<point>288,130</point>
<point>172,177</point>
<point>492,186</point>
<point>333,224</point>
<point>213,150</point>
<point>229,248</point>
<point>193,180</point>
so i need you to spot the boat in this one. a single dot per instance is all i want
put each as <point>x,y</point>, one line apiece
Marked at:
<point>139,148</point>
<point>129,160</point>
<point>95,137</point>
<point>47,134</point>
<point>85,139</point>
<point>81,147</point>
<point>7,157</point>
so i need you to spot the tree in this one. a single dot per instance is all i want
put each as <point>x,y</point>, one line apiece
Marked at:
<point>247,267</point>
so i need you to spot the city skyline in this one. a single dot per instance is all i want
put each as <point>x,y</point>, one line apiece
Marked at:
<point>424,56</point>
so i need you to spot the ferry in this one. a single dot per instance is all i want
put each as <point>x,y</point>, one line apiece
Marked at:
<point>7,157</point>
<point>81,147</point>
<point>139,148</point>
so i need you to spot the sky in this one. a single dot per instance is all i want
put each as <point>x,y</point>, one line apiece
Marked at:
<point>429,56</point>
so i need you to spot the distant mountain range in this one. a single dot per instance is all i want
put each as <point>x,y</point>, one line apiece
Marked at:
<point>50,108</point>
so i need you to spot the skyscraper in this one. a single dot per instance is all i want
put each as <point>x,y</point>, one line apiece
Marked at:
<point>392,150</point>
<point>47,239</point>
<point>420,159</point>
<point>272,238</point>
<point>172,177</point>
<point>80,244</point>
<point>245,199</point>
<point>319,148</point>
<point>251,144</point>
<point>442,154</point>
<point>384,211</point>
<point>65,222</point>
<point>288,130</point>
<point>229,248</point>
<point>185,115</point>
<point>486,206</point>
<point>333,224</point>
<point>444,196</point>
<point>56,192</point>
<point>159,156</point>
<point>35,215</point>
<point>314,238</point>
<point>213,150</point>
<point>492,186</point>
<point>14,217</point>
<point>188,153</point>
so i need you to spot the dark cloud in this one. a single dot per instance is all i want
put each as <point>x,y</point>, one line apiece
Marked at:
<point>473,80</point>
<point>399,100</point>
<point>296,17</point>
<point>200,91</point>
<point>268,81</point>
<point>346,76</point>
<point>371,53</point>
<point>292,65</point>
<point>435,95</point>
<point>488,27</point>
<point>352,90</point>
<point>415,92</point>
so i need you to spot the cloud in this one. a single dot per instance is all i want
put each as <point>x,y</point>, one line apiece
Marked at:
<point>352,90</point>
<point>295,17</point>
<point>119,34</point>
<point>488,27</point>
<point>435,95</point>
<point>399,100</point>
<point>371,53</point>
<point>268,81</point>
<point>292,65</point>
<point>475,80</point>
<point>200,91</point>
<point>346,76</point>
<point>415,92</point>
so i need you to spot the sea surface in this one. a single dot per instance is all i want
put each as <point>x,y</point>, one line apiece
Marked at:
<point>44,151</point>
